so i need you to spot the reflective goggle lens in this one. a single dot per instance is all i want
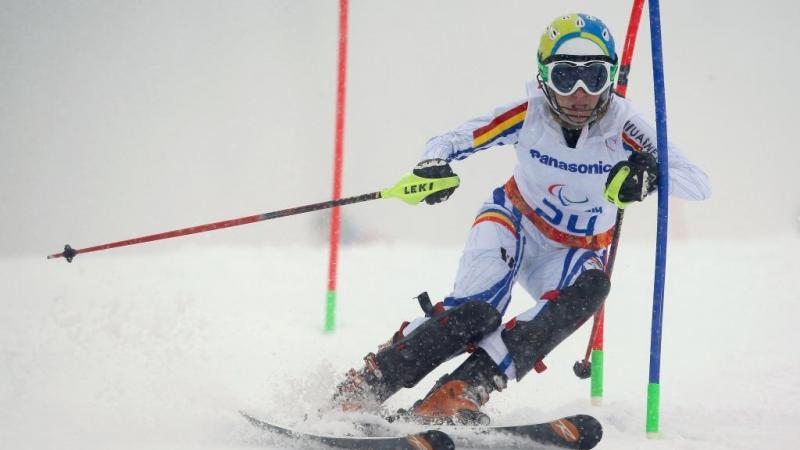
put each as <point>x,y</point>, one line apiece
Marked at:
<point>565,75</point>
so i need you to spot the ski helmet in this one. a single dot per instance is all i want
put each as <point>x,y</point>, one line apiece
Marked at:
<point>581,40</point>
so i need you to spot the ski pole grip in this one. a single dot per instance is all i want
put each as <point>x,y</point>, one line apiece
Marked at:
<point>413,189</point>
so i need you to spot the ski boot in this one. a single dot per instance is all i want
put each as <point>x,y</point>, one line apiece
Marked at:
<point>406,359</point>
<point>359,390</point>
<point>456,398</point>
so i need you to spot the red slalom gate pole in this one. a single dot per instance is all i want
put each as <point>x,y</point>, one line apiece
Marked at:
<point>630,44</point>
<point>341,91</point>
<point>594,349</point>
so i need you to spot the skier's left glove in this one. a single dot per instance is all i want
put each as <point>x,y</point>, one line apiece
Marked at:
<point>632,180</point>
<point>435,168</point>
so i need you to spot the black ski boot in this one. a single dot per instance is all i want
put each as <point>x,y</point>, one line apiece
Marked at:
<point>405,360</point>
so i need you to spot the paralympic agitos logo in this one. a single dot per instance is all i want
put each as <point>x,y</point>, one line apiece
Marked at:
<point>597,168</point>
<point>561,192</point>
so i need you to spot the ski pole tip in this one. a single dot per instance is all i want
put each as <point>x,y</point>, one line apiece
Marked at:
<point>68,254</point>
<point>582,369</point>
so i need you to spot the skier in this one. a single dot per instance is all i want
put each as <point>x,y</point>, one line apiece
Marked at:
<point>582,152</point>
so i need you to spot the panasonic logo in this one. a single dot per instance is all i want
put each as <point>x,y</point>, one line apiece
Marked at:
<point>547,160</point>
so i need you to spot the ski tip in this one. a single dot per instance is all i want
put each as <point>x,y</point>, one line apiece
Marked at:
<point>258,422</point>
<point>582,431</point>
<point>249,418</point>
<point>431,440</point>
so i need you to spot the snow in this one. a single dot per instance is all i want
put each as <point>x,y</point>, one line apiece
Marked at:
<point>160,350</point>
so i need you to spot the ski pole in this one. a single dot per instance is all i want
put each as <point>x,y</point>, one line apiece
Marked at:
<point>411,189</point>
<point>594,348</point>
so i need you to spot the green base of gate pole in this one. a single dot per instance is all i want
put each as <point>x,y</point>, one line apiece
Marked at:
<point>597,377</point>
<point>653,402</point>
<point>330,311</point>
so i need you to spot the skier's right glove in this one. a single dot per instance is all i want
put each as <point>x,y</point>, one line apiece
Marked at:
<point>435,168</point>
<point>632,180</point>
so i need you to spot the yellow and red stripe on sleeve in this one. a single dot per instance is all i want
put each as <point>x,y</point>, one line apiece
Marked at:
<point>496,217</point>
<point>501,125</point>
<point>630,144</point>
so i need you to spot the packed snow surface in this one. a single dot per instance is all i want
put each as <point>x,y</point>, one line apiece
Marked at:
<point>139,349</point>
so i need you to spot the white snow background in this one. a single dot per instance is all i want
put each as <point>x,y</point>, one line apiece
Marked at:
<point>160,351</point>
<point>119,119</point>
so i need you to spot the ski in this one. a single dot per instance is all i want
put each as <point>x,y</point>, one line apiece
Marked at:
<point>426,440</point>
<point>575,432</point>
<point>579,432</point>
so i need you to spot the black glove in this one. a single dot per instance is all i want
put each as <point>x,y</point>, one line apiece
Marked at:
<point>435,168</point>
<point>641,179</point>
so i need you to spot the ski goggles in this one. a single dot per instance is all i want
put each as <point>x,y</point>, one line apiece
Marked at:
<point>565,77</point>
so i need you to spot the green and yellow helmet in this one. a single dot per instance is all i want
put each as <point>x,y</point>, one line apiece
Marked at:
<point>576,26</point>
<point>576,35</point>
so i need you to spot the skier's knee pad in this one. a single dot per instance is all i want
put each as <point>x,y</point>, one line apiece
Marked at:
<point>530,341</point>
<point>409,359</point>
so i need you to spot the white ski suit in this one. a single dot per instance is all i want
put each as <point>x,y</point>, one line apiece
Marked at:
<point>550,221</point>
